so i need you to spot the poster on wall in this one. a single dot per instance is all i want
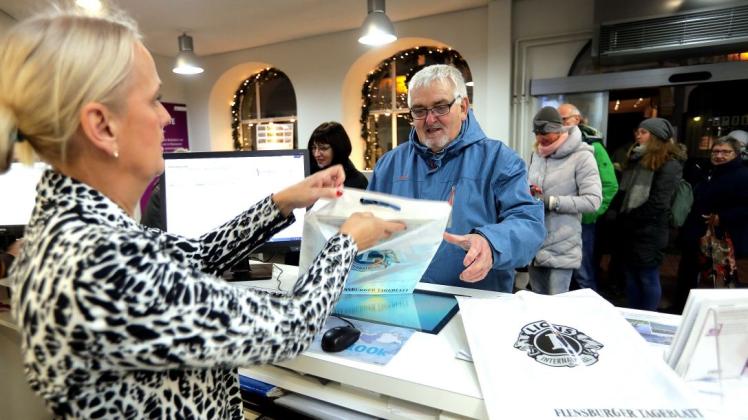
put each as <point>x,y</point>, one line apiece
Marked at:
<point>175,133</point>
<point>275,136</point>
<point>175,138</point>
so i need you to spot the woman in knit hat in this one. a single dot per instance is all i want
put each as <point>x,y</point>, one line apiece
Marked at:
<point>652,171</point>
<point>563,174</point>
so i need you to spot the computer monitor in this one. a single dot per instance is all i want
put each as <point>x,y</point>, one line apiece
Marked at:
<point>202,190</point>
<point>18,186</point>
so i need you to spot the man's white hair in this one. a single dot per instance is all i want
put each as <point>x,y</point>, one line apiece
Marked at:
<point>574,110</point>
<point>438,73</point>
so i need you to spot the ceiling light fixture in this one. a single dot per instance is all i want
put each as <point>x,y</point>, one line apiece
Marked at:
<point>186,60</point>
<point>377,28</point>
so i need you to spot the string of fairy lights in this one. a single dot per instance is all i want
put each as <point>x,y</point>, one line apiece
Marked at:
<point>266,74</point>
<point>372,97</point>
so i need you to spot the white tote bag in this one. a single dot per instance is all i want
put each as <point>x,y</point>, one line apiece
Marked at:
<point>394,265</point>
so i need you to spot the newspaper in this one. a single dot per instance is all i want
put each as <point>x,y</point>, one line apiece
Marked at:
<point>710,350</point>
<point>696,316</point>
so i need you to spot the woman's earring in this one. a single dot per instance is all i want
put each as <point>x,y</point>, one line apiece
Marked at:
<point>116,154</point>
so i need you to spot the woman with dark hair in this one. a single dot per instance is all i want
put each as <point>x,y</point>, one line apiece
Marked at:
<point>722,201</point>
<point>652,171</point>
<point>329,145</point>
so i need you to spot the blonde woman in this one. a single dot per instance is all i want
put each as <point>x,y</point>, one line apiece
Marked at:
<point>118,320</point>
<point>563,174</point>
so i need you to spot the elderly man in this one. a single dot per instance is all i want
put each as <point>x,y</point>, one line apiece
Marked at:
<point>585,274</point>
<point>495,224</point>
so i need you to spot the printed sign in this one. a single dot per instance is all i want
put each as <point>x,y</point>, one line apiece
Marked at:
<point>175,133</point>
<point>275,136</point>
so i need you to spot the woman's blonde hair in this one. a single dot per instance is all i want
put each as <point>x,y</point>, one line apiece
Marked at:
<point>52,65</point>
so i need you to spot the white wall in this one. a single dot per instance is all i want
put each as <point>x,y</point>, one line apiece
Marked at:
<point>506,44</point>
<point>320,69</point>
<point>498,70</point>
<point>172,86</point>
<point>544,46</point>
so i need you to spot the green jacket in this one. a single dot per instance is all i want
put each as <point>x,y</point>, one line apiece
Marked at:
<point>607,173</point>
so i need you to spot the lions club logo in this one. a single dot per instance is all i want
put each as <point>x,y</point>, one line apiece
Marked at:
<point>557,345</point>
<point>374,260</point>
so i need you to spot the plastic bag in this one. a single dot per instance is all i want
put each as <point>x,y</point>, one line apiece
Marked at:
<point>717,259</point>
<point>394,265</point>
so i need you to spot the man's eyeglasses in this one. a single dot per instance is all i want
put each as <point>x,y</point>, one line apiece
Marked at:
<point>419,113</point>
<point>722,152</point>
<point>570,116</point>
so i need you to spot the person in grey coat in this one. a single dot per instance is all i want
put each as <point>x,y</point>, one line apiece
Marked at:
<point>563,174</point>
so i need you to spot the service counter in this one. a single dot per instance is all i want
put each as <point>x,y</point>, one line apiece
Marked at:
<point>425,379</point>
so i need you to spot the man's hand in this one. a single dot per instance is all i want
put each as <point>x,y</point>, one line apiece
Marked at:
<point>479,257</point>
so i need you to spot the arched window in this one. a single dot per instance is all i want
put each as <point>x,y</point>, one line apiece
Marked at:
<point>385,119</point>
<point>263,112</point>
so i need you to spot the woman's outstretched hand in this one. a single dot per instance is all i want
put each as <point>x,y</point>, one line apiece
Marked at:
<point>367,230</point>
<point>327,183</point>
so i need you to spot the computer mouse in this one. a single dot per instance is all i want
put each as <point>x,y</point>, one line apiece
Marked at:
<point>339,338</point>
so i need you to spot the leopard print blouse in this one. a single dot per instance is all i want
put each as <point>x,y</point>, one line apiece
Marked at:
<point>123,321</point>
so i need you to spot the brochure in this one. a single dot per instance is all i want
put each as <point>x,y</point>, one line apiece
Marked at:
<point>696,316</point>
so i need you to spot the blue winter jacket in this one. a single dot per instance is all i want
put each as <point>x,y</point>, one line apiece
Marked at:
<point>487,184</point>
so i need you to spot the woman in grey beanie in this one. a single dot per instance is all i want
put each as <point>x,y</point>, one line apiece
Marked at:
<point>651,174</point>
<point>563,174</point>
